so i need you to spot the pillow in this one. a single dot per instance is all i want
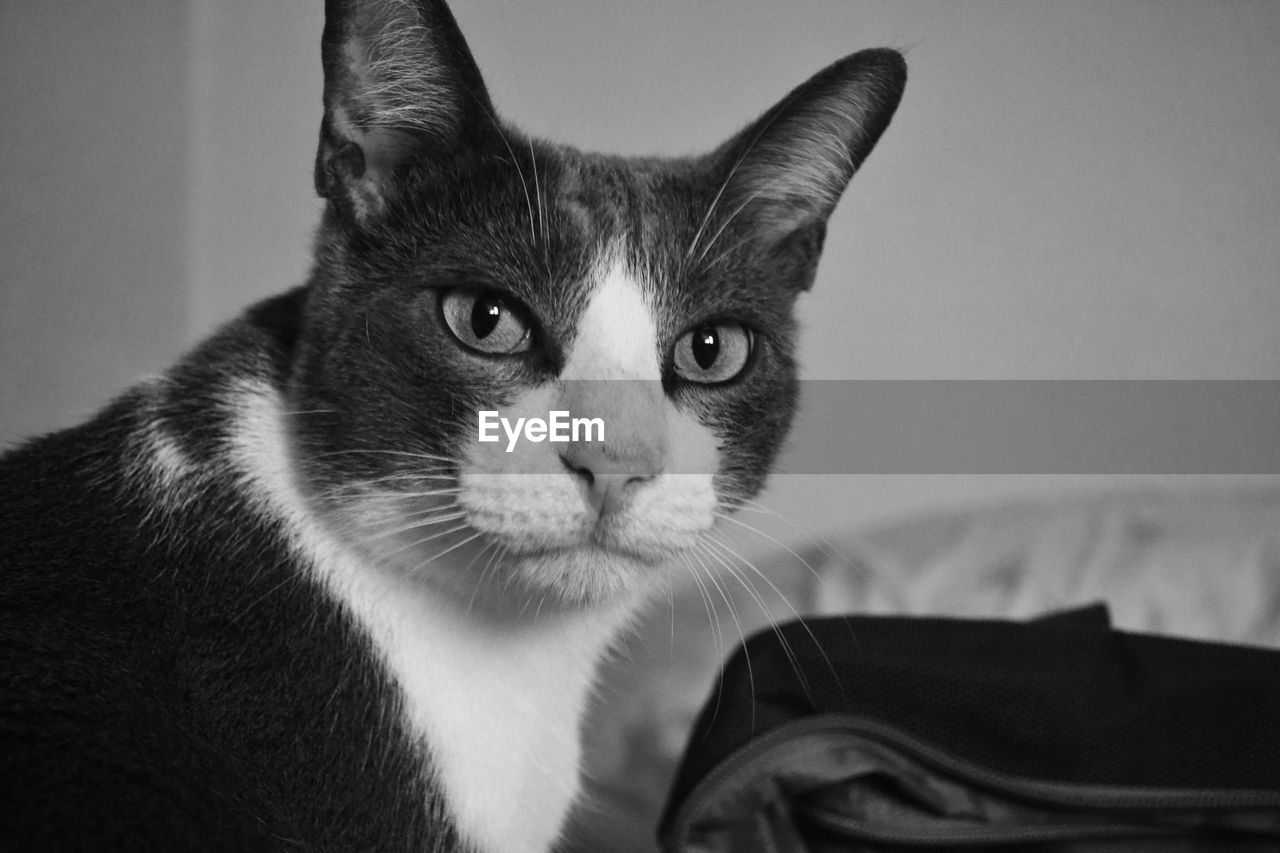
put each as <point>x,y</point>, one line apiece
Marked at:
<point>1203,564</point>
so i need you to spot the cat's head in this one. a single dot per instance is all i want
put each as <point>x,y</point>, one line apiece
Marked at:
<point>464,268</point>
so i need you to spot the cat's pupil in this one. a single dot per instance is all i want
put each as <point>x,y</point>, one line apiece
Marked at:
<point>485,315</point>
<point>706,347</point>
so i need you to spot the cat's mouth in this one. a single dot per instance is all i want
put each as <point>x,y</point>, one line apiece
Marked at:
<point>602,541</point>
<point>605,548</point>
<point>540,530</point>
<point>586,573</point>
<point>533,515</point>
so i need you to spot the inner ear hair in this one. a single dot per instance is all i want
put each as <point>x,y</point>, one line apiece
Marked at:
<point>790,167</point>
<point>400,83</point>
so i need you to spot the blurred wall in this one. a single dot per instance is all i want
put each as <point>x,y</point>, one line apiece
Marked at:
<point>1070,189</point>
<point>93,218</point>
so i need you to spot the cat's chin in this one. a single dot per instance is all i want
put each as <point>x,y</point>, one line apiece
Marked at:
<point>587,574</point>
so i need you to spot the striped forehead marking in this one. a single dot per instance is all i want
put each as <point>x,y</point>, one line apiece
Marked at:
<point>617,334</point>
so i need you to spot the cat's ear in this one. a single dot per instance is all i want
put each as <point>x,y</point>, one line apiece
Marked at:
<point>782,176</point>
<point>399,83</point>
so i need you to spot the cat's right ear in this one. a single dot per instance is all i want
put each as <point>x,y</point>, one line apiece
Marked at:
<point>780,178</point>
<point>399,84</point>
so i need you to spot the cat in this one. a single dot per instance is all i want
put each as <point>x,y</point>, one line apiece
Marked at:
<point>284,596</point>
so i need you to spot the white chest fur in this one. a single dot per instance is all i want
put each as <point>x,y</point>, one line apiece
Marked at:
<point>497,706</point>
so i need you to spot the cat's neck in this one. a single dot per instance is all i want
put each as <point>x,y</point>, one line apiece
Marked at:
<point>495,703</point>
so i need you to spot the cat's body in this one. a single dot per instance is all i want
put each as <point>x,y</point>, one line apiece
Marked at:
<point>283,595</point>
<point>184,685</point>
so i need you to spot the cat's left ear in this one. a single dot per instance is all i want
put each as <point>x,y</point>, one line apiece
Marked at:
<point>782,176</point>
<point>399,83</point>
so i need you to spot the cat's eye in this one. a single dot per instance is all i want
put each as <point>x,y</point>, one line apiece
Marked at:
<point>486,320</point>
<point>713,352</point>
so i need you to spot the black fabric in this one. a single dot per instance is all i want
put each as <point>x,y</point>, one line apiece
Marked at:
<point>1065,700</point>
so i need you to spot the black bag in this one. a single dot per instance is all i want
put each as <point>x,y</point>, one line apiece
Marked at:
<point>897,734</point>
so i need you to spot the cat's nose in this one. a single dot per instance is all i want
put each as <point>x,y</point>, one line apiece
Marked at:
<point>611,474</point>
<point>630,447</point>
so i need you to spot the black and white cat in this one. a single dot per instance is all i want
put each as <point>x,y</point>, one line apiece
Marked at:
<point>283,596</point>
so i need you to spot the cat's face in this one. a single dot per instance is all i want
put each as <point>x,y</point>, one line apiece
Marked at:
<point>467,275</point>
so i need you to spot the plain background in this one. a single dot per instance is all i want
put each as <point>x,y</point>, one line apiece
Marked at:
<point>1069,190</point>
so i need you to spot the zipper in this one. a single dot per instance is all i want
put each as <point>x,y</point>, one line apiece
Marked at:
<point>752,763</point>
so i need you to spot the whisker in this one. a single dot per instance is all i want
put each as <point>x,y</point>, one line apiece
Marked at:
<point>424,540</point>
<point>764,610</point>
<point>437,498</point>
<point>391,516</point>
<point>703,549</point>
<point>362,491</point>
<point>822,541</point>
<point>713,622</point>
<point>471,563</point>
<point>473,537</point>
<point>497,126</point>
<point>542,225</point>
<point>737,164</point>
<point>733,611</point>
<point>795,614</point>
<point>421,524</point>
<point>706,217</point>
<point>411,454</point>
<point>493,564</point>
<point>369,533</point>
<point>713,617</point>
<point>671,607</point>
<point>396,494</point>
<point>757,531</point>
<point>723,225</point>
<point>435,472</point>
<point>467,570</point>
<point>524,185</point>
<point>729,251</point>
<point>764,577</point>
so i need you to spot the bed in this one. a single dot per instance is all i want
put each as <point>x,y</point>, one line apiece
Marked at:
<point>1202,563</point>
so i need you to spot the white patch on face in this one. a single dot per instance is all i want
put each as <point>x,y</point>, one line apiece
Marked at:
<point>617,336</point>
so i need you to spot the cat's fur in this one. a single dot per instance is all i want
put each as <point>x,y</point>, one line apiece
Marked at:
<point>281,596</point>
